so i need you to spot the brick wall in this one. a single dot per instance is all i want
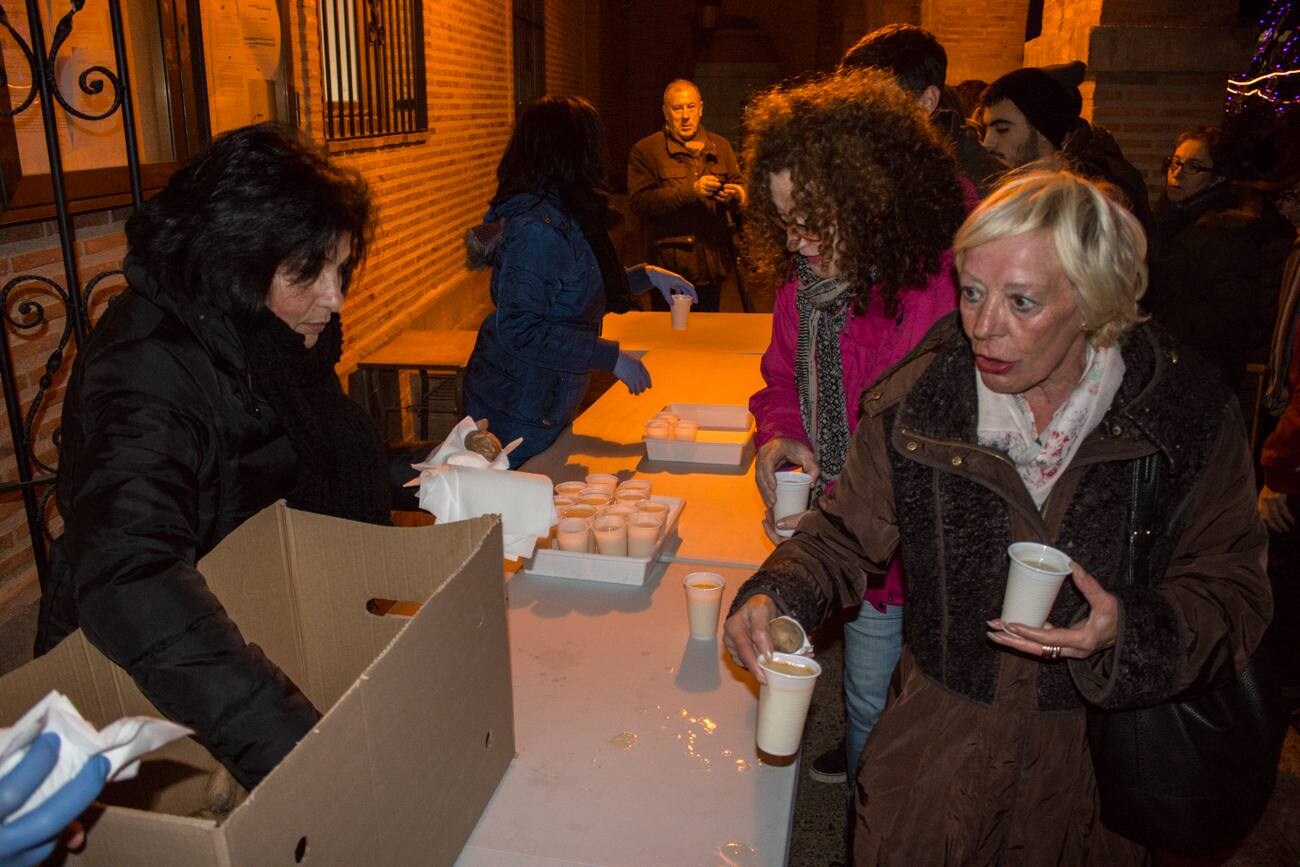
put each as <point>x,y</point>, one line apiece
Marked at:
<point>983,40</point>
<point>427,188</point>
<point>1155,67</point>
<point>572,48</point>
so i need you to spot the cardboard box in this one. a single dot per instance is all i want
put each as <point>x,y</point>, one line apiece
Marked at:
<point>419,728</point>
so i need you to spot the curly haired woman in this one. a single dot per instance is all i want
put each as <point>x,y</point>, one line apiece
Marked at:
<point>856,199</point>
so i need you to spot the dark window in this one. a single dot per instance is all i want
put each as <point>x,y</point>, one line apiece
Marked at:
<point>1034,20</point>
<point>372,60</point>
<point>530,51</point>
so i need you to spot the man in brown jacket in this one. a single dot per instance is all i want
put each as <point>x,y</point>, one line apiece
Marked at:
<point>683,182</point>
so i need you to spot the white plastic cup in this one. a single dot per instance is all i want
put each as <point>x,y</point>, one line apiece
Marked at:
<point>1033,580</point>
<point>595,497</point>
<point>703,601</point>
<point>626,511</point>
<point>611,535</point>
<point>659,510</point>
<point>571,533</point>
<point>631,497</point>
<point>637,485</point>
<point>670,417</point>
<point>783,701</point>
<point>793,488</point>
<point>583,511</point>
<point>643,531</point>
<point>686,429</point>
<point>606,482</point>
<point>562,503</point>
<point>658,429</point>
<point>681,310</point>
<point>570,489</point>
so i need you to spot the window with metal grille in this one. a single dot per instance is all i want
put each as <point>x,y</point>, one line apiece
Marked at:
<point>372,60</point>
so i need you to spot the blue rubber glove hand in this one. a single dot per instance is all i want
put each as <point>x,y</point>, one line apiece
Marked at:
<point>632,373</point>
<point>31,839</point>
<point>670,283</point>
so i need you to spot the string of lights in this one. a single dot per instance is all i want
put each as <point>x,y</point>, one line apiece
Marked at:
<point>1273,77</point>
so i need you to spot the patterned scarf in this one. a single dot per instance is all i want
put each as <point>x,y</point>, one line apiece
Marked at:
<point>1007,424</point>
<point>823,305</point>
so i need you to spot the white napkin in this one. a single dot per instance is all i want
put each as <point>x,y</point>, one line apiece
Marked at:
<point>523,500</point>
<point>122,743</point>
<point>453,451</point>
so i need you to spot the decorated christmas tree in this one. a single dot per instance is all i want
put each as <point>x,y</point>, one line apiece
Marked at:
<point>1271,84</point>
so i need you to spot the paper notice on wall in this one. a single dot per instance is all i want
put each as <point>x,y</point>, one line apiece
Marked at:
<point>242,47</point>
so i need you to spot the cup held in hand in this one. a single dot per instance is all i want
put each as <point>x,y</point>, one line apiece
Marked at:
<point>793,488</point>
<point>1033,580</point>
<point>783,701</point>
<point>681,310</point>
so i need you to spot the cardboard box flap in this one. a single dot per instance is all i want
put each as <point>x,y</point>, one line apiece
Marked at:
<point>249,572</point>
<point>338,566</point>
<point>425,731</point>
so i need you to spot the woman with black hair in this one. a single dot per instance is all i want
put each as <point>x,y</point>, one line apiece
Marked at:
<point>204,394</point>
<point>554,275</point>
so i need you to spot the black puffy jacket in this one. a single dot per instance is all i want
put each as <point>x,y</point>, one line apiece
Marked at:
<point>165,450</point>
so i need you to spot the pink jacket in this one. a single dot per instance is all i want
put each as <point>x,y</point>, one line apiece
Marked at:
<point>870,345</point>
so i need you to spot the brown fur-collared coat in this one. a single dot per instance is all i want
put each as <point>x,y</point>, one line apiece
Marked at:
<point>981,756</point>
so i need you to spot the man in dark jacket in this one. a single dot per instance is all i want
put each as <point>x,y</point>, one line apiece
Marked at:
<point>920,65</point>
<point>1032,114</point>
<point>683,182</point>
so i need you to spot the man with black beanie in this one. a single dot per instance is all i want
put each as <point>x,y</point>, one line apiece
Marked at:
<point>1032,114</point>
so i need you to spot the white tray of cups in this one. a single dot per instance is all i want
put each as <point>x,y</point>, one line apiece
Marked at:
<point>700,433</point>
<point>629,527</point>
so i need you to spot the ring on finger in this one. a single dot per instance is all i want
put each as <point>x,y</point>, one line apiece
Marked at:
<point>1051,651</point>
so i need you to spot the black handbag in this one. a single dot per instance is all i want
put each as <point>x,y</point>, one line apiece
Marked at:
<point>1190,776</point>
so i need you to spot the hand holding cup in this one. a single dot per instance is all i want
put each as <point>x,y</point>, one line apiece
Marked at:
<point>745,633</point>
<point>1097,633</point>
<point>776,453</point>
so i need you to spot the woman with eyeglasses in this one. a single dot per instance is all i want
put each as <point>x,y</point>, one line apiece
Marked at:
<point>855,200</point>
<point>1207,287</point>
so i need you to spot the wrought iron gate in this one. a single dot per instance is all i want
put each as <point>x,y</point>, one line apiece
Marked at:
<point>24,297</point>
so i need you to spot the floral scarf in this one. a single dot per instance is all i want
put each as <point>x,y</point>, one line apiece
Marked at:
<point>1007,424</point>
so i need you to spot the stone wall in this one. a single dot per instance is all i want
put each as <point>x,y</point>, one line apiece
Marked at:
<point>1154,68</point>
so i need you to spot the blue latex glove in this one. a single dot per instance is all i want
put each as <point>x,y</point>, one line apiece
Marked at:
<point>670,283</point>
<point>632,373</point>
<point>31,839</point>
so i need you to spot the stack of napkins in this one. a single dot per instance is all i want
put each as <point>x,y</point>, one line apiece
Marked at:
<point>456,484</point>
<point>122,743</point>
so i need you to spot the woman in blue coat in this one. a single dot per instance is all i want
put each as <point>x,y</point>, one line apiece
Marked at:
<point>554,275</point>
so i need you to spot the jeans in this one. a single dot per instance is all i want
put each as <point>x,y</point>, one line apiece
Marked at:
<point>872,644</point>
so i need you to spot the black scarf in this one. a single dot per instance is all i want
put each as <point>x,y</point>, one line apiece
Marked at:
<point>618,293</point>
<point>342,470</point>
